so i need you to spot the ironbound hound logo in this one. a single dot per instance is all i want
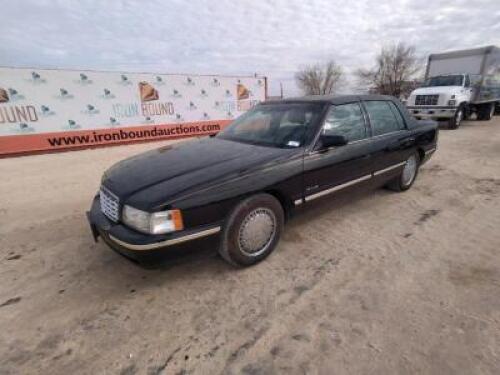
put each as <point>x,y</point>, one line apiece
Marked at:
<point>4,96</point>
<point>148,94</point>
<point>243,96</point>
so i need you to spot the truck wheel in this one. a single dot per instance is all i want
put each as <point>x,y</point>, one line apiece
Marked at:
<point>486,111</point>
<point>252,230</point>
<point>467,113</point>
<point>456,120</point>
<point>408,175</point>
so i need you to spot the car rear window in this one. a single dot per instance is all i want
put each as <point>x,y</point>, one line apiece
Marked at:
<point>398,115</point>
<point>382,118</point>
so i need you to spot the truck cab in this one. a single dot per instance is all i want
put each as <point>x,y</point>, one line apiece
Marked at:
<point>443,97</point>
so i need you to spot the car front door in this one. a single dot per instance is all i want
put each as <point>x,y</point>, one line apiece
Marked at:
<point>329,170</point>
<point>392,143</point>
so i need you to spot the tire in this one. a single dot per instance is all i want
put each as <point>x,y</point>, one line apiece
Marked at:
<point>497,109</point>
<point>457,118</point>
<point>407,176</point>
<point>467,113</point>
<point>486,112</point>
<point>252,230</point>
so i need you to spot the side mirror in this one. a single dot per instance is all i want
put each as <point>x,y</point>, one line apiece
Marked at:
<point>327,141</point>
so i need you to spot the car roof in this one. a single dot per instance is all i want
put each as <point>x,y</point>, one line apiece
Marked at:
<point>332,99</point>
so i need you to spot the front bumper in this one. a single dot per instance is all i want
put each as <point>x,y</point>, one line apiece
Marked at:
<point>434,112</point>
<point>137,245</point>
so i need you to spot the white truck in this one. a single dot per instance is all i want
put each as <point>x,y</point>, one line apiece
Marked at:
<point>457,85</point>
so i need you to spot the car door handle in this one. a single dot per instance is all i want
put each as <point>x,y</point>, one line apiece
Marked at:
<point>400,143</point>
<point>408,141</point>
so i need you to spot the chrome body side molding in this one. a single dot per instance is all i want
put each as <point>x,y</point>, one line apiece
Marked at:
<point>319,194</point>
<point>171,242</point>
<point>337,188</point>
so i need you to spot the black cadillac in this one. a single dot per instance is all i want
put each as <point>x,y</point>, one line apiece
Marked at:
<point>242,184</point>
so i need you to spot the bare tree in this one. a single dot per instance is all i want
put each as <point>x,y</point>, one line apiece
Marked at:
<point>319,79</point>
<point>394,72</point>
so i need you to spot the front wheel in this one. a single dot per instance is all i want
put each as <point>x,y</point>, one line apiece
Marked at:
<point>408,175</point>
<point>252,230</point>
<point>457,118</point>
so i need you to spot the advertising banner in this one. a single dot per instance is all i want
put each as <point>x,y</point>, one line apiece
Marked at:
<point>44,109</point>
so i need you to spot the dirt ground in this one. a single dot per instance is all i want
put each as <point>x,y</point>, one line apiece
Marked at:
<point>370,283</point>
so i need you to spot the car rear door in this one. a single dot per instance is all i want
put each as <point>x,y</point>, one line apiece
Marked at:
<point>336,168</point>
<point>392,143</point>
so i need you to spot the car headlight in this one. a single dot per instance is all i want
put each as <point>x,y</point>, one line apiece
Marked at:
<point>152,223</point>
<point>452,103</point>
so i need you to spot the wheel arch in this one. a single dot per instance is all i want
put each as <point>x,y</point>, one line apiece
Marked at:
<point>285,201</point>
<point>421,153</point>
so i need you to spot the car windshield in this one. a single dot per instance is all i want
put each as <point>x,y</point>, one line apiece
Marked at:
<point>453,80</point>
<point>282,125</point>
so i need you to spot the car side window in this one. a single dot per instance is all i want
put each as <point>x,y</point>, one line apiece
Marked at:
<point>399,117</point>
<point>382,118</point>
<point>346,120</point>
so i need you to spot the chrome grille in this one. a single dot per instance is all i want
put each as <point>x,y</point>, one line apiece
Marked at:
<point>110,204</point>
<point>426,100</point>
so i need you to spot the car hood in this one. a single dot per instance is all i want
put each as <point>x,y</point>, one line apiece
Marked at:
<point>450,90</point>
<point>154,177</point>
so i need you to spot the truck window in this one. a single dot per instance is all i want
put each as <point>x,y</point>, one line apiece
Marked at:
<point>346,120</point>
<point>446,80</point>
<point>382,118</point>
<point>467,81</point>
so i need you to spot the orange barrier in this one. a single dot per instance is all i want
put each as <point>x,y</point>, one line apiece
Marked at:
<point>47,142</point>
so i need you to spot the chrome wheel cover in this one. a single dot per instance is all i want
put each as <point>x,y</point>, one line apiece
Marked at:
<point>257,231</point>
<point>410,170</point>
<point>458,117</point>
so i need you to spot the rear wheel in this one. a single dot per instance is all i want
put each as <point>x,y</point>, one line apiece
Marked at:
<point>408,175</point>
<point>486,111</point>
<point>252,230</point>
<point>456,120</point>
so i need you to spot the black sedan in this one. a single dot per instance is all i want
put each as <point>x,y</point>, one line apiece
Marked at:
<point>242,184</point>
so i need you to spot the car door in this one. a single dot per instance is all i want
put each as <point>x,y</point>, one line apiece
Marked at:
<point>392,142</point>
<point>330,170</point>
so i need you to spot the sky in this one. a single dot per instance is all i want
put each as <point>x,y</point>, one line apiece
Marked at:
<point>270,38</point>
